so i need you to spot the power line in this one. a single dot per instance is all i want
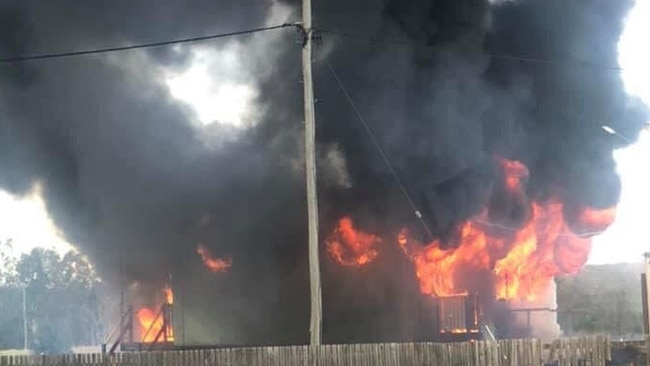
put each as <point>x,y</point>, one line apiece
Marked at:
<point>492,55</point>
<point>400,42</point>
<point>143,45</point>
<point>587,234</point>
<point>383,154</point>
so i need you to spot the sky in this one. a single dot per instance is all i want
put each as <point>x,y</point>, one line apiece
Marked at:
<point>214,96</point>
<point>628,238</point>
<point>26,222</point>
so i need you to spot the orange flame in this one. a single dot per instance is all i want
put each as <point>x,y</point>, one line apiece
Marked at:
<point>152,321</point>
<point>523,260</point>
<point>515,172</point>
<point>169,295</point>
<point>596,220</point>
<point>214,264</point>
<point>439,269</point>
<point>351,247</point>
<point>147,320</point>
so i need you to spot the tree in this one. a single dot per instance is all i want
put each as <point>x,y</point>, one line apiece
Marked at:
<point>10,299</point>
<point>601,299</point>
<point>64,305</point>
<point>7,263</point>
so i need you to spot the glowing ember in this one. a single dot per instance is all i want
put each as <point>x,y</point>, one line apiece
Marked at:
<point>457,331</point>
<point>169,295</point>
<point>151,321</point>
<point>351,247</point>
<point>514,172</point>
<point>214,264</point>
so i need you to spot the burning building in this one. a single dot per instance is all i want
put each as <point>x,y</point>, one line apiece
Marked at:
<point>493,258</point>
<point>489,112</point>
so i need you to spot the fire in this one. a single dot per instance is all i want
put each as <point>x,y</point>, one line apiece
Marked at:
<point>523,259</point>
<point>439,269</point>
<point>169,295</point>
<point>542,249</point>
<point>596,220</point>
<point>154,320</point>
<point>214,264</point>
<point>150,324</point>
<point>351,247</point>
<point>515,172</point>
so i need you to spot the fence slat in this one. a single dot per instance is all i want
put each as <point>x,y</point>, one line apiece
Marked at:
<point>595,350</point>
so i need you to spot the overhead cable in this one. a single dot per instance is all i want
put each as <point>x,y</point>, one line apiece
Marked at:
<point>492,55</point>
<point>401,185</point>
<point>382,153</point>
<point>142,45</point>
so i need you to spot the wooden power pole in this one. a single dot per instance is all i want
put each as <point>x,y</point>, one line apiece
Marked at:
<point>310,167</point>
<point>646,304</point>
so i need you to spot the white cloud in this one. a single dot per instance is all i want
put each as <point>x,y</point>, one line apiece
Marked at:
<point>216,86</point>
<point>628,238</point>
<point>634,54</point>
<point>25,221</point>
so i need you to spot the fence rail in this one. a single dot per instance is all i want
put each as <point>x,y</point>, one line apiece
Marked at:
<point>592,351</point>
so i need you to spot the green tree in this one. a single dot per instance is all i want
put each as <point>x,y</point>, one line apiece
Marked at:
<point>7,263</point>
<point>10,299</point>
<point>601,299</point>
<point>63,294</point>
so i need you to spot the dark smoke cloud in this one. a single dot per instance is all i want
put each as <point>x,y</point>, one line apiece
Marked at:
<point>130,179</point>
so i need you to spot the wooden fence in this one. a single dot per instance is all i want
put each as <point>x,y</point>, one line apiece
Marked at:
<point>591,351</point>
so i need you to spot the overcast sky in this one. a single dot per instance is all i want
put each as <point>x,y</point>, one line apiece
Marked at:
<point>27,223</point>
<point>627,239</point>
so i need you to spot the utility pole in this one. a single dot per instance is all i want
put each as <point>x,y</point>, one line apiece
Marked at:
<point>646,303</point>
<point>25,340</point>
<point>121,286</point>
<point>310,167</point>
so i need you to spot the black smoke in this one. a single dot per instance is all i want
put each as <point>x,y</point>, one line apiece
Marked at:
<point>133,183</point>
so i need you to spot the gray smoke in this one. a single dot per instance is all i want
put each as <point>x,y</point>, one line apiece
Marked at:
<point>131,180</point>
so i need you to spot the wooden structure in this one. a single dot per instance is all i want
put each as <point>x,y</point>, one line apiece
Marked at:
<point>122,333</point>
<point>593,351</point>
<point>458,317</point>
<point>161,331</point>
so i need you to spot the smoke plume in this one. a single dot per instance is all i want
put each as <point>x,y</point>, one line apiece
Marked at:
<point>137,184</point>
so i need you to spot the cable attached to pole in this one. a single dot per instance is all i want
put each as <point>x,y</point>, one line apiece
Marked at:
<point>382,153</point>
<point>143,45</point>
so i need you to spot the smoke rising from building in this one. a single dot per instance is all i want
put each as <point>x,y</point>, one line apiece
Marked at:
<point>136,186</point>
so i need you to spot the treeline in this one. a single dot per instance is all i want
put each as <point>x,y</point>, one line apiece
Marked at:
<point>63,303</point>
<point>602,299</point>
